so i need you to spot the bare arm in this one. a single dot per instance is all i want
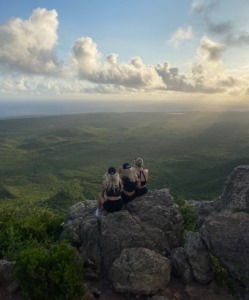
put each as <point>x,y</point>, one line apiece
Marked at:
<point>102,192</point>
<point>146,173</point>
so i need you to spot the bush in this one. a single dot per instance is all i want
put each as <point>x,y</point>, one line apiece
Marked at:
<point>222,277</point>
<point>53,273</point>
<point>186,212</point>
<point>23,228</point>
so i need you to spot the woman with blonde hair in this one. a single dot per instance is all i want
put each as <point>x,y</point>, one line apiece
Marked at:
<point>143,175</point>
<point>129,181</point>
<point>110,195</point>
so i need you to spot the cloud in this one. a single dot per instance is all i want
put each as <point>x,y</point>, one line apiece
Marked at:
<point>172,79</point>
<point>220,28</point>
<point>108,76</point>
<point>228,33</point>
<point>202,7</point>
<point>210,51</point>
<point>237,39</point>
<point>180,35</point>
<point>28,45</point>
<point>209,74</point>
<point>86,56</point>
<point>134,74</point>
<point>226,30</point>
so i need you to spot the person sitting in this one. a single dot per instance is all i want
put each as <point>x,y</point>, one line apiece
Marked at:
<point>142,175</point>
<point>110,195</point>
<point>129,181</point>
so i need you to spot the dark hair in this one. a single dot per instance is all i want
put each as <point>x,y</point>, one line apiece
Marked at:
<point>112,171</point>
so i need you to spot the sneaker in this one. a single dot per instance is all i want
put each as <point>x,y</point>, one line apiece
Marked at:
<point>97,213</point>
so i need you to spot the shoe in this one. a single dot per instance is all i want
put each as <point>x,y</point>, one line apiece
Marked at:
<point>97,213</point>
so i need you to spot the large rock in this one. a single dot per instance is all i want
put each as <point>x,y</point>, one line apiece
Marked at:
<point>236,191</point>
<point>225,225</point>
<point>199,258</point>
<point>152,221</point>
<point>227,237</point>
<point>140,271</point>
<point>180,265</point>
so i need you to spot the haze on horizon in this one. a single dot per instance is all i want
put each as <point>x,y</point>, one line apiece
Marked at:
<point>122,56</point>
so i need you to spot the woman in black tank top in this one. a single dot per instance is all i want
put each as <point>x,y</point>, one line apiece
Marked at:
<point>129,181</point>
<point>110,195</point>
<point>143,175</point>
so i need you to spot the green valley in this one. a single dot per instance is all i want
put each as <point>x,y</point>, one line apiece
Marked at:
<point>191,153</point>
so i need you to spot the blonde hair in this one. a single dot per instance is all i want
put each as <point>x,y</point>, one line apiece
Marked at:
<point>130,173</point>
<point>139,162</point>
<point>111,181</point>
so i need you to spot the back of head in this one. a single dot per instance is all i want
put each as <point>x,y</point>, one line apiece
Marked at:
<point>112,171</point>
<point>111,178</point>
<point>129,172</point>
<point>126,166</point>
<point>139,162</point>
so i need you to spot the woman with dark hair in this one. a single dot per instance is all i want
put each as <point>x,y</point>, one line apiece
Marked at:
<point>129,178</point>
<point>110,195</point>
<point>143,175</point>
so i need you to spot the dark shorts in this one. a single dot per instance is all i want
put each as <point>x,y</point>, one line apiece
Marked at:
<point>126,199</point>
<point>142,191</point>
<point>113,205</point>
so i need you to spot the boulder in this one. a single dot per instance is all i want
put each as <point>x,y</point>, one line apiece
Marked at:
<point>236,191</point>
<point>225,223</point>
<point>227,237</point>
<point>199,258</point>
<point>152,221</point>
<point>140,271</point>
<point>180,265</point>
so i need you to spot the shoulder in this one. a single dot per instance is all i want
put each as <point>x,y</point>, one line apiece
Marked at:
<point>103,185</point>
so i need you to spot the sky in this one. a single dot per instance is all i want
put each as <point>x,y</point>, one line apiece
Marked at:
<point>133,54</point>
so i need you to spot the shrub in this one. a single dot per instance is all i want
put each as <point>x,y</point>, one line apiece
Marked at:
<point>222,277</point>
<point>24,228</point>
<point>186,212</point>
<point>54,273</point>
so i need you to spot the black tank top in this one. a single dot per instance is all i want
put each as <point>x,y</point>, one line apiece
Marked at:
<point>129,186</point>
<point>114,192</point>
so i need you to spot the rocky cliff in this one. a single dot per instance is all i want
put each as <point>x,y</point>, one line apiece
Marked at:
<point>147,229</point>
<point>141,247</point>
<point>224,226</point>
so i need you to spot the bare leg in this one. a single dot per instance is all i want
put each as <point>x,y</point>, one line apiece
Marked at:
<point>100,202</point>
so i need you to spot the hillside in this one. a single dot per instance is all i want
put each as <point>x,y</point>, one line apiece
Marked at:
<point>189,153</point>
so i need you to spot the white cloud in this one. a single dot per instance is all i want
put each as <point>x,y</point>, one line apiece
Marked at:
<point>209,74</point>
<point>172,79</point>
<point>86,57</point>
<point>112,58</point>
<point>180,35</point>
<point>28,45</point>
<point>134,74</point>
<point>210,51</point>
